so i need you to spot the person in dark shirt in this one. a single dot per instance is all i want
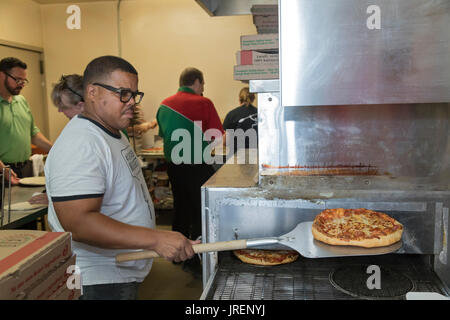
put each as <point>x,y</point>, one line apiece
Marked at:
<point>244,117</point>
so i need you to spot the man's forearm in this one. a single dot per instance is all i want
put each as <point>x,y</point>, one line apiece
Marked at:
<point>104,232</point>
<point>99,230</point>
<point>41,142</point>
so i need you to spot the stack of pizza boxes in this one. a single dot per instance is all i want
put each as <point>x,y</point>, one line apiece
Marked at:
<point>37,265</point>
<point>265,18</point>
<point>258,57</point>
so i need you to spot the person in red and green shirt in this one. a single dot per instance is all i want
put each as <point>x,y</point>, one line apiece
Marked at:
<point>183,120</point>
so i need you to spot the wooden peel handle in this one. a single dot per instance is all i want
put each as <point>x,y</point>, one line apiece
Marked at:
<point>198,248</point>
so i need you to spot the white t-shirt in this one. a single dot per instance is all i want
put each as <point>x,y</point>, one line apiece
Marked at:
<point>88,161</point>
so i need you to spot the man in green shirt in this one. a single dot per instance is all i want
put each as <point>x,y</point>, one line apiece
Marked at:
<point>17,128</point>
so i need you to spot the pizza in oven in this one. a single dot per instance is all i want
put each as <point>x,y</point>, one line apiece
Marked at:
<point>266,257</point>
<point>356,227</point>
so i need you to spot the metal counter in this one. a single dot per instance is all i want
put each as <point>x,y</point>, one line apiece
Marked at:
<point>234,176</point>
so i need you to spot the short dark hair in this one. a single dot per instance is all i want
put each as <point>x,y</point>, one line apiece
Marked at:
<point>8,63</point>
<point>72,85</point>
<point>103,66</point>
<point>189,75</point>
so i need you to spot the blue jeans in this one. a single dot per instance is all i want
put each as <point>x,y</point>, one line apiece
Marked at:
<point>111,291</point>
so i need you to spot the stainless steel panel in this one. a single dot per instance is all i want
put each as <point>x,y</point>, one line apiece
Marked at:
<point>409,140</point>
<point>244,222</point>
<point>230,7</point>
<point>257,86</point>
<point>345,186</point>
<point>251,211</point>
<point>329,56</point>
<point>272,144</point>
<point>401,140</point>
<point>441,261</point>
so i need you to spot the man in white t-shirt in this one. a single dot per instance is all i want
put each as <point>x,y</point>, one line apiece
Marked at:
<point>97,191</point>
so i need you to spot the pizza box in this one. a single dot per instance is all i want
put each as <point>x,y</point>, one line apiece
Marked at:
<point>248,57</point>
<point>53,283</point>
<point>256,72</point>
<point>265,20</point>
<point>264,9</point>
<point>264,30</point>
<point>268,42</point>
<point>26,256</point>
<point>67,294</point>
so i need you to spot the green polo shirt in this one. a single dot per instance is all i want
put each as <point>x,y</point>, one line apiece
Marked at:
<point>16,129</point>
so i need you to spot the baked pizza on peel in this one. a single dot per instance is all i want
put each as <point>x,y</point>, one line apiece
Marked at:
<point>356,227</point>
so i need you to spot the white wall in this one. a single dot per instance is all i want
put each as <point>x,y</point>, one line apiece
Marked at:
<point>159,37</point>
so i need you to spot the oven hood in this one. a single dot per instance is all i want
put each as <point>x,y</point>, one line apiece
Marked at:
<point>230,7</point>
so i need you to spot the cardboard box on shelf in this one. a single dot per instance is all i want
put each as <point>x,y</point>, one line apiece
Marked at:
<point>265,20</point>
<point>26,256</point>
<point>264,9</point>
<point>266,42</point>
<point>266,30</point>
<point>53,283</point>
<point>67,294</point>
<point>256,72</point>
<point>247,57</point>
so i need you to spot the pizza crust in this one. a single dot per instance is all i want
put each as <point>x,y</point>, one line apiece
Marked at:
<point>266,257</point>
<point>386,240</point>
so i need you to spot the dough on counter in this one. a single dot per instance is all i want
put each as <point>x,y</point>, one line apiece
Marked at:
<point>23,206</point>
<point>33,181</point>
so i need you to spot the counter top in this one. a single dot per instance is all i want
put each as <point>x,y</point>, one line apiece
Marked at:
<point>234,175</point>
<point>19,218</point>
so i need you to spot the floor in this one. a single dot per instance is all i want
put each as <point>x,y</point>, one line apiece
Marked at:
<point>166,280</point>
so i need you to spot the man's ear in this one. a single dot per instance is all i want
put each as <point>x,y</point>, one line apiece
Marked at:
<point>196,86</point>
<point>91,91</point>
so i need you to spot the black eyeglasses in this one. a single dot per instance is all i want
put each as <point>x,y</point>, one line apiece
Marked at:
<point>18,81</point>
<point>125,94</point>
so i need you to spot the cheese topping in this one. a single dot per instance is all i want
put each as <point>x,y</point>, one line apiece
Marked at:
<point>355,223</point>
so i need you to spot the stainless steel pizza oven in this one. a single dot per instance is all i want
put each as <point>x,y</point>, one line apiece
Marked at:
<point>358,119</point>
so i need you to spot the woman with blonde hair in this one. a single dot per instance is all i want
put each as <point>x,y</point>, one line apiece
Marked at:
<point>244,117</point>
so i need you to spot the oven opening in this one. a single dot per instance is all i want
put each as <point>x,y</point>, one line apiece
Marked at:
<point>324,279</point>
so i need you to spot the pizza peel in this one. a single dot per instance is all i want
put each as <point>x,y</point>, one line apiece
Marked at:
<point>299,239</point>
